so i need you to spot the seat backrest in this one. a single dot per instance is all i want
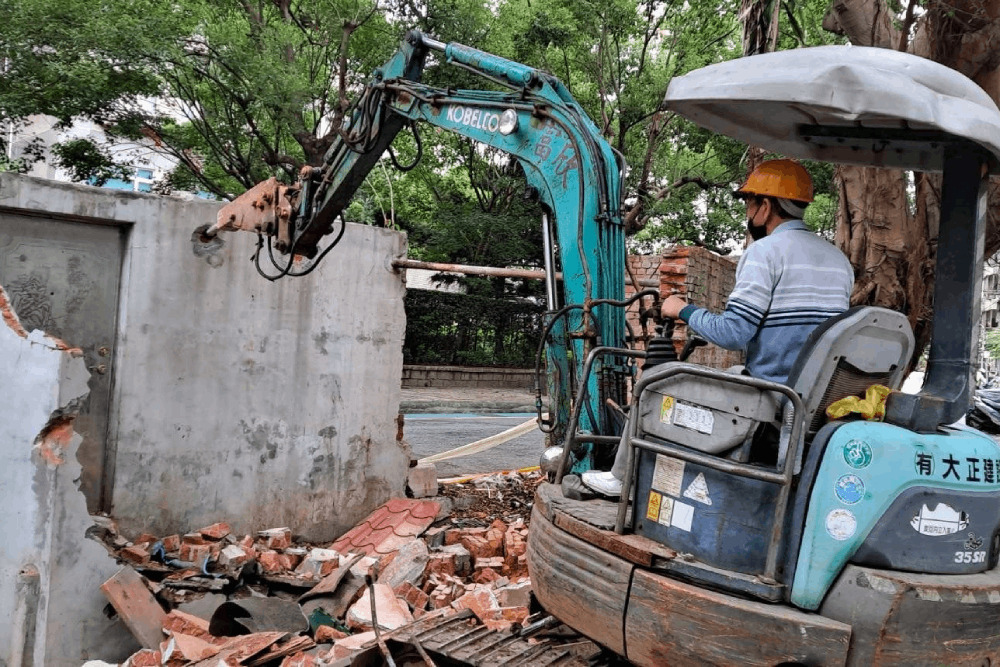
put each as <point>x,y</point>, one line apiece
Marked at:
<point>848,353</point>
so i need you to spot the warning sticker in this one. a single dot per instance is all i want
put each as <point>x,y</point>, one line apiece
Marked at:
<point>668,475</point>
<point>666,511</point>
<point>653,508</point>
<point>682,516</point>
<point>695,418</point>
<point>667,409</point>
<point>698,490</point>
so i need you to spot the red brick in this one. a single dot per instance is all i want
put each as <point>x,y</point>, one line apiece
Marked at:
<point>453,535</point>
<point>413,596</point>
<point>172,543</point>
<point>146,538</point>
<point>195,553</point>
<point>440,563</point>
<point>273,562</point>
<point>504,617</point>
<point>480,601</point>
<point>327,634</point>
<point>486,575</point>
<point>193,538</point>
<point>276,538</point>
<point>147,657</point>
<point>216,531</point>
<point>135,555</point>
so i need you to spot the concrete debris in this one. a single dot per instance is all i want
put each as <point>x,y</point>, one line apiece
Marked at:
<point>425,565</point>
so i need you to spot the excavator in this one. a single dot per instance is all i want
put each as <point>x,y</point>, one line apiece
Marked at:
<point>852,541</point>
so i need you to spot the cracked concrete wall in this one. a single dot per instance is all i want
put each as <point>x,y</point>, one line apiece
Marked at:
<point>50,573</point>
<point>262,404</point>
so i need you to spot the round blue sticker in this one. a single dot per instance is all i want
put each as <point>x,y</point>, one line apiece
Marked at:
<point>858,454</point>
<point>850,489</point>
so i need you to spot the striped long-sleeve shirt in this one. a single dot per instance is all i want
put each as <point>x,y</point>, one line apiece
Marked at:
<point>787,283</point>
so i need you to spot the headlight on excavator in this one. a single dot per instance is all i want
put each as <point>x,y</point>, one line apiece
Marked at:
<point>508,122</point>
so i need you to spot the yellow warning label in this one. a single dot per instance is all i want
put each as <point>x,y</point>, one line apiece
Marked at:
<point>653,509</point>
<point>667,409</point>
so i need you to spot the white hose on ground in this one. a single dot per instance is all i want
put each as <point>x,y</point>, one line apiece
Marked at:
<point>482,445</point>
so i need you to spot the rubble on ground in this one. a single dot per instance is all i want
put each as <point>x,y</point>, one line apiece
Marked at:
<point>212,597</point>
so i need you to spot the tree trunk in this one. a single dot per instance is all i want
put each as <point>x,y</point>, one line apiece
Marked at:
<point>891,246</point>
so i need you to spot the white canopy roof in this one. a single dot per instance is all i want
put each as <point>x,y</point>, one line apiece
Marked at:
<point>776,100</point>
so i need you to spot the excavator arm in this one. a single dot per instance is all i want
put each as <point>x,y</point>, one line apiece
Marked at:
<point>574,171</point>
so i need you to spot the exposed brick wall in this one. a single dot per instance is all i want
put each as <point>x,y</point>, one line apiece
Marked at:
<point>700,276</point>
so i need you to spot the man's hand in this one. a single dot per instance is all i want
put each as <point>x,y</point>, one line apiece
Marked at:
<point>672,307</point>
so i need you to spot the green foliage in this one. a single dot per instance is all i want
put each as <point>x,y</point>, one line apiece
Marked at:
<point>253,89</point>
<point>86,161</point>
<point>993,343</point>
<point>448,328</point>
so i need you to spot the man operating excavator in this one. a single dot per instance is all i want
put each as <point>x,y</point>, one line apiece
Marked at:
<point>788,282</point>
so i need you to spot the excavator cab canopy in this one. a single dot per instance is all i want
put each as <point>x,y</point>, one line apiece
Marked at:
<point>847,104</point>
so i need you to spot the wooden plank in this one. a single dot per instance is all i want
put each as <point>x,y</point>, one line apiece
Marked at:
<point>677,624</point>
<point>136,606</point>
<point>633,548</point>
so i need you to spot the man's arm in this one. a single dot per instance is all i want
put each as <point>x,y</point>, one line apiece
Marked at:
<point>748,304</point>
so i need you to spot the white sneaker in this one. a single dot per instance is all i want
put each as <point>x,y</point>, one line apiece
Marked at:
<point>605,483</point>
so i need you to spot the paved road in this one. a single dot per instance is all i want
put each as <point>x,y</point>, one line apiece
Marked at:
<point>433,433</point>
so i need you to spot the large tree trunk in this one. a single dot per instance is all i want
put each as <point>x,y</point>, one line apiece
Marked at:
<point>891,245</point>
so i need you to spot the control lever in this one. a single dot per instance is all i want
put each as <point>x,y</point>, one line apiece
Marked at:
<point>693,343</point>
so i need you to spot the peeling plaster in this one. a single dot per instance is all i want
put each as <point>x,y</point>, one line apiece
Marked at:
<point>50,572</point>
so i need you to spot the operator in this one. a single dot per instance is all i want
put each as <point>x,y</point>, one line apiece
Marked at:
<point>788,282</point>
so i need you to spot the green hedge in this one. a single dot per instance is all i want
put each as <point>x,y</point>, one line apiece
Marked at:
<point>458,329</point>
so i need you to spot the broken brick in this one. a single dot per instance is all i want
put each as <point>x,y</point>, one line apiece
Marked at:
<point>318,563</point>
<point>273,562</point>
<point>480,602</point>
<point>434,537</point>
<point>504,618</point>
<point>172,543</point>
<point>179,622</point>
<point>146,538</point>
<point>486,575</point>
<point>216,531</point>
<point>391,612</point>
<point>408,564</point>
<point>192,538</point>
<point>276,538</point>
<point>514,595</point>
<point>195,553</point>
<point>348,646</point>
<point>183,649</point>
<point>295,556</point>
<point>233,557</point>
<point>147,657</point>
<point>412,595</point>
<point>463,559</point>
<point>135,555</point>
<point>300,660</point>
<point>327,634</point>
<point>422,480</point>
<point>440,563</point>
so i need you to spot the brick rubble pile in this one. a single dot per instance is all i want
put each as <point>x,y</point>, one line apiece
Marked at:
<point>417,557</point>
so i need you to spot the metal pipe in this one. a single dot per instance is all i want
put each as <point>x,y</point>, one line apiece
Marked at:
<point>551,293</point>
<point>525,274</point>
<point>581,395</point>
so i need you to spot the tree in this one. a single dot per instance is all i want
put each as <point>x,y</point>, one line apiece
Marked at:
<point>890,242</point>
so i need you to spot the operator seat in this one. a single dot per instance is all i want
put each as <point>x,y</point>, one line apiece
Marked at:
<point>845,355</point>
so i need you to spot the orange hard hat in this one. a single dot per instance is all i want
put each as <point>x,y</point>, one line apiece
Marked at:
<point>785,179</point>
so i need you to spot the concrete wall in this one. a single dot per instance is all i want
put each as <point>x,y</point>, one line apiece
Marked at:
<point>260,404</point>
<point>50,573</point>
<point>237,399</point>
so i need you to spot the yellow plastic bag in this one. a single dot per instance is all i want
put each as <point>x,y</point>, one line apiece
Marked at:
<point>871,407</point>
